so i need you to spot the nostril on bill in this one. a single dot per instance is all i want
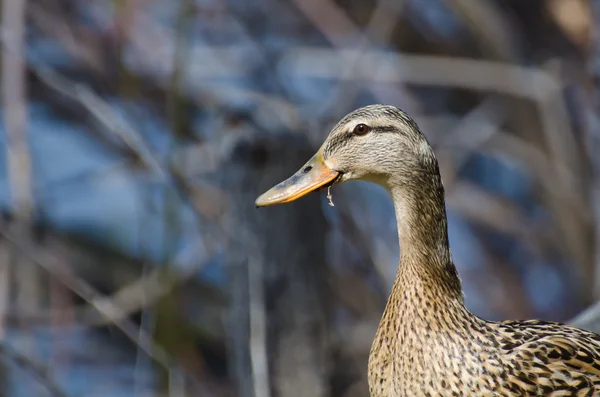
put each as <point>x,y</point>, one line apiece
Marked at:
<point>307,169</point>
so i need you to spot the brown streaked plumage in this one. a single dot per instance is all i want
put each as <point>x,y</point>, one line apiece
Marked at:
<point>428,343</point>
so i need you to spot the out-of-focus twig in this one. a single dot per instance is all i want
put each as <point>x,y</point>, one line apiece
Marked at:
<point>588,319</point>
<point>61,302</point>
<point>574,17</point>
<point>258,328</point>
<point>333,21</point>
<point>78,43</point>
<point>430,70</point>
<point>114,124</point>
<point>130,299</point>
<point>478,126</point>
<point>48,261</point>
<point>40,372</point>
<point>489,25</point>
<point>5,276</point>
<point>14,101</point>
<point>593,132</point>
<point>103,113</point>
<point>121,130</point>
<point>378,30</point>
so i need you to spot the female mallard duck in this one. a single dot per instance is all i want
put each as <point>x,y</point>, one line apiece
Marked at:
<point>428,343</point>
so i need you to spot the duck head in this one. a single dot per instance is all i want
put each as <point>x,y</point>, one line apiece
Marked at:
<point>376,143</point>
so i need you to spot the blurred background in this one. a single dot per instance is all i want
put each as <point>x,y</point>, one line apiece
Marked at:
<point>137,134</point>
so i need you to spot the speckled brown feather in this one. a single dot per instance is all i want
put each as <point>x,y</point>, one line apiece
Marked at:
<point>428,343</point>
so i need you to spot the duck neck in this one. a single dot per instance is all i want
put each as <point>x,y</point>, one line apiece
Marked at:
<point>425,260</point>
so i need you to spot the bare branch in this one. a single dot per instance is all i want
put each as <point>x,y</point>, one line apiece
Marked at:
<point>593,135</point>
<point>333,21</point>
<point>15,109</point>
<point>40,372</point>
<point>14,100</point>
<point>258,329</point>
<point>48,261</point>
<point>5,277</point>
<point>489,26</point>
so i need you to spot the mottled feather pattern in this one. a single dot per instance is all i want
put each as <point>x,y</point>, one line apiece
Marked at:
<point>428,343</point>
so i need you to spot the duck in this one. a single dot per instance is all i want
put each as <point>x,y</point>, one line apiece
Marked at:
<point>428,343</point>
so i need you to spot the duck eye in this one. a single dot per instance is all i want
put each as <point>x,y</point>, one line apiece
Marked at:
<point>361,129</point>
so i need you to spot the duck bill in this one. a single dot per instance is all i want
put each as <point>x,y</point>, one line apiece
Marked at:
<point>313,175</point>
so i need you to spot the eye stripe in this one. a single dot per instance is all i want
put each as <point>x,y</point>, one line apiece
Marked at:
<point>385,128</point>
<point>342,138</point>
